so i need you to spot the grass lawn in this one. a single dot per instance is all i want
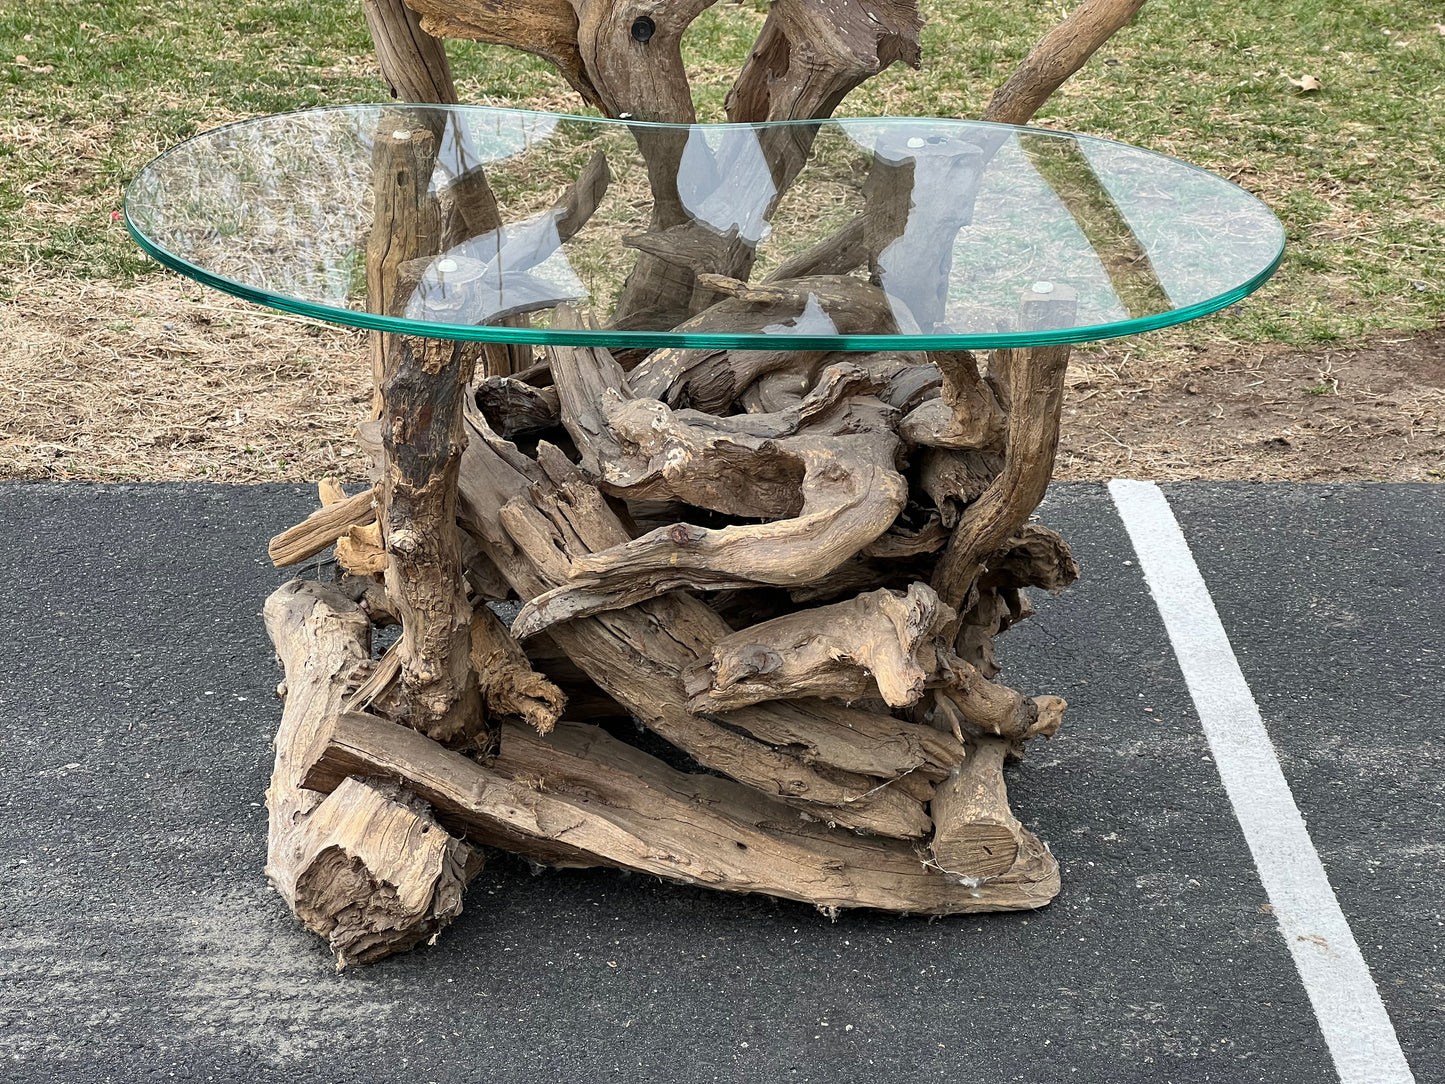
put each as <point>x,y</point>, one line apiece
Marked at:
<point>91,90</point>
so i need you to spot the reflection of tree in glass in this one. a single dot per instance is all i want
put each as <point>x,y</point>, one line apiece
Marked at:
<point>1062,164</point>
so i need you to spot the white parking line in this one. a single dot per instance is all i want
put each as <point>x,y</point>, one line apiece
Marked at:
<point>1346,1001</point>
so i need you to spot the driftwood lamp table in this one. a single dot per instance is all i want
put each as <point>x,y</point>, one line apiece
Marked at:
<point>704,460</point>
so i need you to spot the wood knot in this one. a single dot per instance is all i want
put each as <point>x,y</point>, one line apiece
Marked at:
<point>759,659</point>
<point>685,534</point>
<point>403,543</point>
<point>748,661</point>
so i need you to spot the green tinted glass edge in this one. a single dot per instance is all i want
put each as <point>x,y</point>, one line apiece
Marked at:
<point>658,339</point>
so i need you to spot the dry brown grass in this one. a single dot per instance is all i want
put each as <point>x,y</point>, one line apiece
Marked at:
<point>166,380</point>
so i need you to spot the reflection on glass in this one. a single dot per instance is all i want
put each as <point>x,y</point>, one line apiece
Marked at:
<point>474,223</point>
<point>724,181</point>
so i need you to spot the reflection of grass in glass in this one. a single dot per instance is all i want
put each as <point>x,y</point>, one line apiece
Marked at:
<point>283,205</point>
<point>824,197</point>
<point>531,182</point>
<point>277,206</point>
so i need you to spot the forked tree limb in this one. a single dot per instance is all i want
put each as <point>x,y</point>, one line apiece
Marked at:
<point>545,28</point>
<point>806,59</point>
<point>990,708</point>
<point>365,867</point>
<point>1063,51</point>
<point>808,56</point>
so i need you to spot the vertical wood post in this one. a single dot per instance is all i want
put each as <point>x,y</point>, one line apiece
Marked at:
<point>420,386</point>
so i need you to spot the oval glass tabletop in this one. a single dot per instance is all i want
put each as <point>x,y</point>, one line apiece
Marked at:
<point>853,234</point>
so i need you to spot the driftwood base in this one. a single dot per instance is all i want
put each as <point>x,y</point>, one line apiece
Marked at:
<point>790,566</point>
<point>375,826</point>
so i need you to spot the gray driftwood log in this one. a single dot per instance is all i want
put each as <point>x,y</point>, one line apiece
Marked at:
<point>790,566</point>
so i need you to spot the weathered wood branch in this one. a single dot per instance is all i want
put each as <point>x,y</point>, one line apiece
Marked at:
<point>851,493</point>
<point>422,384</point>
<point>952,479</point>
<point>879,643</point>
<point>580,798</point>
<point>425,386</point>
<point>545,28</point>
<point>509,685</point>
<point>808,56</point>
<point>365,867</point>
<point>991,708</point>
<point>966,414</point>
<point>321,529</point>
<point>1034,389</point>
<point>1062,52</point>
<point>413,62</point>
<point>1034,556</point>
<point>977,836</point>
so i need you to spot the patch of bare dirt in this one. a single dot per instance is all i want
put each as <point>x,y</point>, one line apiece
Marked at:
<point>1371,412</point>
<point>166,380</point>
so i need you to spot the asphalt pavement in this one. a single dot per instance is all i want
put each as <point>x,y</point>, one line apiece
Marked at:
<point>140,942</point>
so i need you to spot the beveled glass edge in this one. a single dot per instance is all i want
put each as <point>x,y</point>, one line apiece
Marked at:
<point>537,336</point>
